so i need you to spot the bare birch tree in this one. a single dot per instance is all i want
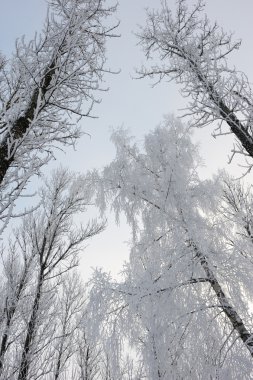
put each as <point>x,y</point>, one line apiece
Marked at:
<point>68,312</point>
<point>188,48</point>
<point>187,285</point>
<point>49,85</point>
<point>48,243</point>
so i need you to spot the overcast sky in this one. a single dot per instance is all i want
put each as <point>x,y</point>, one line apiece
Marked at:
<point>132,103</point>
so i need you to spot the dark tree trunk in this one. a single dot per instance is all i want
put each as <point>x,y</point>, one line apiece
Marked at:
<point>10,311</point>
<point>227,308</point>
<point>31,328</point>
<point>21,125</point>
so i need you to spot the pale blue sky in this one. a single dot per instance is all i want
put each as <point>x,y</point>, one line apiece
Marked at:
<point>131,103</point>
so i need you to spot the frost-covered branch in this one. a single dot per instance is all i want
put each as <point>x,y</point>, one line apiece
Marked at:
<point>193,51</point>
<point>46,247</point>
<point>182,271</point>
<point>51,82</point>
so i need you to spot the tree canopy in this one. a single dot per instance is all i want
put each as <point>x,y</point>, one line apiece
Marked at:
<point>181,307</point>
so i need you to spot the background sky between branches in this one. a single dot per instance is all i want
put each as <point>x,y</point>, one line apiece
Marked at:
<point>130,103</point>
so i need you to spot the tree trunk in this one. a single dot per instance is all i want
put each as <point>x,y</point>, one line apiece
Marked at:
<point>10,313</point>
<point>21,126</point>
<point>25,360</point>
<point>227,308</point>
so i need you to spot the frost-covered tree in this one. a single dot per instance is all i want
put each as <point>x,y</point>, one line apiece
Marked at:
<point>185,293</point>
<point>188,48</point>
<point>50,83</point>
<point>68,307</point>
<point>45,247</point>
